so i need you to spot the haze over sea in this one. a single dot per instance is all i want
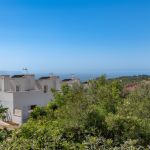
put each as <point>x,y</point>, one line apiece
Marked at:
<point>82,76</point>
<point>85,77</point>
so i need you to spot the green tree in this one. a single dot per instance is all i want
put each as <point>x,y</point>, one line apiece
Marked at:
<point>3,112</point>
<point>96,118</point>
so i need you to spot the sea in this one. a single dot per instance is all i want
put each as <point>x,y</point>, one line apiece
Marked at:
<point>82,76</point>
<point>86,77</point>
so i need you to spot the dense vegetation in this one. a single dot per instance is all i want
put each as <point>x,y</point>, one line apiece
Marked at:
<point>97,117</point>
<point>4,133</point>
<point>132,79</point>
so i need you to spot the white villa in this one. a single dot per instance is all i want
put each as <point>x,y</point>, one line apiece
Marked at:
<point>71,81</point>
<point>22,93</point>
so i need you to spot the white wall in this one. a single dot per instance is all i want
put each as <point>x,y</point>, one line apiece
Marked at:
<point>17,119</point>
<point>30,98</point>
<point>28,95</point>
<point>52,82</point>
<point>23,100</point>
<point>26,83</point>
<point>72,82</point>
<point>6,99</point>
<point>1,81</point>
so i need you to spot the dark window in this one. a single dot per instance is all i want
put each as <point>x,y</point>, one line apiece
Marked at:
<point>17,88</point>
<point>33,106</point>
<point>45,88</point>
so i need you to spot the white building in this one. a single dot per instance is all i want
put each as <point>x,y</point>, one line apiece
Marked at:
<point>21,93</point>
<point>71,81</point>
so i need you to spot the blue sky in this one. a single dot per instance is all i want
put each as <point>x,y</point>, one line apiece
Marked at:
<point>75,36</point>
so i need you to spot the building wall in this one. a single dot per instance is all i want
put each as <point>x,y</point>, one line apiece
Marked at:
<point>26,83</point>
<point>29,94</point>
<point>58,84</point>
<point>24,100</point>
<point>17,119</point>
<point>52,82</point>
<point>72,82</point>
<point>1,81</point>
<point>7,85</point>
<point>6,99</point>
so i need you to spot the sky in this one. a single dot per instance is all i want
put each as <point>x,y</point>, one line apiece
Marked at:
<point>75,36</point>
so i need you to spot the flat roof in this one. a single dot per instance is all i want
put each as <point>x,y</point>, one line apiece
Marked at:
<point>21,75</point>
<point>17,76</point>
<point>44,78</point>
<point>67,80</point>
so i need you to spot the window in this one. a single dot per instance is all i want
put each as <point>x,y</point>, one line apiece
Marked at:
<point>31,108</point>
<point>45,89</point>
<point>17,88</point>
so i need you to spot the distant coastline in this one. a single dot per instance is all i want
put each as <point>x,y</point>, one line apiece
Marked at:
<point>83,76</point>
